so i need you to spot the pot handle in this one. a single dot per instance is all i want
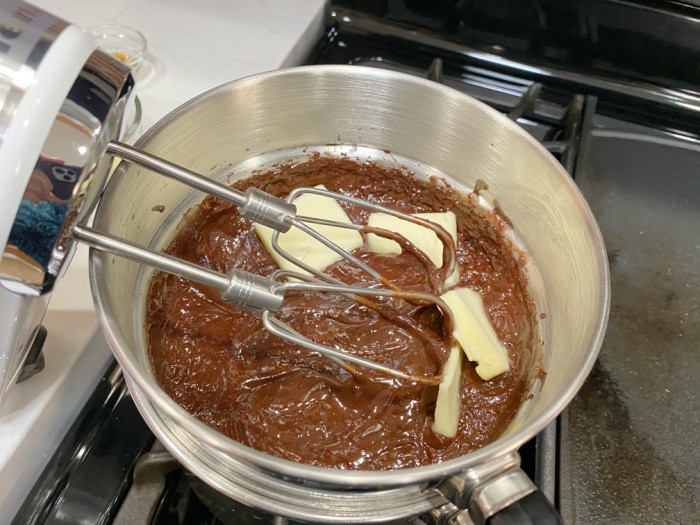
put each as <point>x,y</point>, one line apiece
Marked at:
<point>532,509</point>
<point>495,493</point>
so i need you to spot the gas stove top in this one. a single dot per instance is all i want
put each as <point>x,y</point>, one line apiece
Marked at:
<point>626,126</point>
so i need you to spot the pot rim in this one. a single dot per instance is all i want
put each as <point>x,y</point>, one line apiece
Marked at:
<point>360,478</point>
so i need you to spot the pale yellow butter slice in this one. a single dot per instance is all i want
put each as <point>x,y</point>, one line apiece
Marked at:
<point>304,246</point>
<point>448,403</point>
<point>421,237</point>
<point>475,334</point>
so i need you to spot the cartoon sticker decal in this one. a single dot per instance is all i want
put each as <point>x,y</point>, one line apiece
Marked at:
<point>41,213</point>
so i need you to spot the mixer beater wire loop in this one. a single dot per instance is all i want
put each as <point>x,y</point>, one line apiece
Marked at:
<point>339,356</point>
<point>299,221</point>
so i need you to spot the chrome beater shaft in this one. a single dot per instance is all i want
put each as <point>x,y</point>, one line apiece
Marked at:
<point>264,295</point>
<point>257,293</point>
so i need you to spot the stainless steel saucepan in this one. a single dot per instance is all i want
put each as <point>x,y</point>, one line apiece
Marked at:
<point>362,113</point>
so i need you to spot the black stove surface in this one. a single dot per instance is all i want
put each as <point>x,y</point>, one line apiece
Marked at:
<point>639,40</point>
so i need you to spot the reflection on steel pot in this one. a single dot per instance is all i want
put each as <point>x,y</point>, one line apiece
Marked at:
<point>266,118</point>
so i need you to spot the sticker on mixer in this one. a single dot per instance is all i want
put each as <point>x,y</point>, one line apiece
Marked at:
<point>41,215</point>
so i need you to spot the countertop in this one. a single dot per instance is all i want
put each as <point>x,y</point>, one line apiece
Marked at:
<point>196,46</point>
<point>192,47</point>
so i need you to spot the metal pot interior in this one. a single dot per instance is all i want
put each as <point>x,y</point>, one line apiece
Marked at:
<point>268,117</point>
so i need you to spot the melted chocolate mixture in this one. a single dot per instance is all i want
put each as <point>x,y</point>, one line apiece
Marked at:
<point>221,365</point>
